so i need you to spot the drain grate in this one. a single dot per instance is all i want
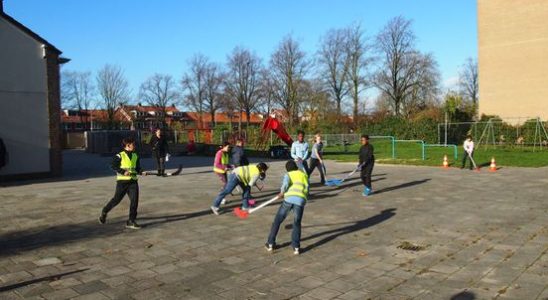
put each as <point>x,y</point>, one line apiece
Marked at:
<point>410,246</point>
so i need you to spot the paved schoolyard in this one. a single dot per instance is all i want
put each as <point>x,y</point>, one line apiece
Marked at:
<point>427,233</point>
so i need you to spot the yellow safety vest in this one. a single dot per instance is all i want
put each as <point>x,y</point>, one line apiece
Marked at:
<point>298,185</point>
<point>224,161</point>
<point>245,173</point>
<point>128,164</point>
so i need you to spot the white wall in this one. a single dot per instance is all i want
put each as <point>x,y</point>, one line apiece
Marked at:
<point>23,102</point>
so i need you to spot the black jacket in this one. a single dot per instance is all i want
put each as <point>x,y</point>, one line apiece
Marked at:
<point>159,145</point>
<point>117,161</point>
<point>238,157</point>
<point>366,154</point>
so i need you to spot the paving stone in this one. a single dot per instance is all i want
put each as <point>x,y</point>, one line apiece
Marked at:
<point>475,242</point>
<point>61,294</point>
<point>322,293</point>
<point>48,261</point>
<point>90,287</point>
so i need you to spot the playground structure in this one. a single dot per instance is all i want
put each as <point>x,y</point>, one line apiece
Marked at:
<point>518,132</point>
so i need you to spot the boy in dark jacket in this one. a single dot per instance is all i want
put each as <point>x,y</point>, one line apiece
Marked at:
<point>367,161</point>
<point>237,156</point>
<point>160,149</point>
<point>127,166</point>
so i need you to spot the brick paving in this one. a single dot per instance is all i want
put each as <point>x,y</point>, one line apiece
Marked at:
<point>427,233</point>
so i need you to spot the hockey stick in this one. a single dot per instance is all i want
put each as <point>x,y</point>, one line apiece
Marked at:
<point>243,214</point>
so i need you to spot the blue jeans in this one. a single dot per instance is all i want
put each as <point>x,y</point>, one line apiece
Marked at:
<point>280,217</point>
<point>231,184</point>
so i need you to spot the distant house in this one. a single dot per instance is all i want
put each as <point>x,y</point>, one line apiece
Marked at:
<point>90,119</point>
<point>192,119</point>
<point>135,117</point>
<point>148,117</point>
<point>29,102</point>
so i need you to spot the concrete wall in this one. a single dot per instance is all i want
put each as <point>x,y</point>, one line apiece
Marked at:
<point>513,58</point>
<point>24,120</point>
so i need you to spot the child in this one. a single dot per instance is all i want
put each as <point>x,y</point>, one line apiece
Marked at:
<point>367,161</point>
<point>316,159</point>
<point>245,177</point>
<point>160,149</point>
<point>299,151</point>
<point>221,163</point>
<point>295,192</point>
<point>468,151</point>
<point>127,165</point>
<point>238,154</point>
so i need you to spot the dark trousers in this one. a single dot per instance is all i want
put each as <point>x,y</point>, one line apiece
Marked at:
<point>284,209</point>
<point>366,174</point>
<point>161,163</point>
<point>123,187</point>
<point>313,164</point>
<point>465,157</point>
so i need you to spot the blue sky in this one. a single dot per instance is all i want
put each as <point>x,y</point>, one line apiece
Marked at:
<point>151,36</point>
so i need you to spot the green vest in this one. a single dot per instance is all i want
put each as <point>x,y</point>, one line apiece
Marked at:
<point>298,185</point>
<point>224,161</point>
<point>245,173</point>
<point>128,164</point>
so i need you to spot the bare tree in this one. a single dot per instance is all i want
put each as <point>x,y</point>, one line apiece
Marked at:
<point>395,42</point>
<point>266,92</point>
<point>113,88</point>
<point>359,60</point>
<point>334,64</point>
<point>426,90</point>
<point>288,65</point>
<point>194,84</point>
<point>468,80</point>
<point>159,91</point>
<point>77,90</point>
<point>243,79</point>
<point>214,83</point>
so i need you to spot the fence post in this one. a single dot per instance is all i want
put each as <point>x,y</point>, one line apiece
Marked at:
<point>423,152</point>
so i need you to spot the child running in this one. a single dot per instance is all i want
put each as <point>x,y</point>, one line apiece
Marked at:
<point>294,191</point>
<point>127,165</point>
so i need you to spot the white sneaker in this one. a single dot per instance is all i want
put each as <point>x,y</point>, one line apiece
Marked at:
<point>215,210</point>
<point>223,202</point>
<point>296,251</point>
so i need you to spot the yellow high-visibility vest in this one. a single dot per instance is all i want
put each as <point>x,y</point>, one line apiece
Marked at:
<point>298,185</point>
<point>128,164</point>
<point>224,161</point>
<point>246,173</point>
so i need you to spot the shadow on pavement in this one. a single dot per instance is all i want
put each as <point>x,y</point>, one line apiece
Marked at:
<point>466,295</point>
<point>401,186</point>
<point>37,280</point>
<point>355,226</point>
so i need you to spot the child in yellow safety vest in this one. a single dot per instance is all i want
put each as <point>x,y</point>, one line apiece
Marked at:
<point>294,191</point>
<point>245,177</point>
<point>221,163</point>
<point>127,166</point>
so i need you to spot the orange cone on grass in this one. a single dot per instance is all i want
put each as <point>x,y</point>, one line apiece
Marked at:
<point>445,162</point>
<point>493,165</point>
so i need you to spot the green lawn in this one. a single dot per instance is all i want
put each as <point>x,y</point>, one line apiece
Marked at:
<point>410,154</point>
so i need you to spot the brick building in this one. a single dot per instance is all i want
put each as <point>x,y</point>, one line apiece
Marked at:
<point>513,58</point>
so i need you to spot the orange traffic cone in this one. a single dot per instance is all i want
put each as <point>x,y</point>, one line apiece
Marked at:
<point>493,165</point>
<point>445,162</point>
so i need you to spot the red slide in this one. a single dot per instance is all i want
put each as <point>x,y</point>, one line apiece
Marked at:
<point>277,127</point>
